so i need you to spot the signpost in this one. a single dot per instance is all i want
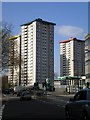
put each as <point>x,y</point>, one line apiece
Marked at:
<point>49,84</point>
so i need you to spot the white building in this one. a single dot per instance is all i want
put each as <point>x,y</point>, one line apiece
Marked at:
<point>87,57</point>
<point>37,52</point>
<point>14,60</point>
<point>72,58</point>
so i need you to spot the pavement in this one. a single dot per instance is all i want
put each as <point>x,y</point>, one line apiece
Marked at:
<point>59,94</point>
<point>54,94</point>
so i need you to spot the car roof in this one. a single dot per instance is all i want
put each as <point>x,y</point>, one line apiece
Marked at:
<point>85,89</point>
<point>25,92</point>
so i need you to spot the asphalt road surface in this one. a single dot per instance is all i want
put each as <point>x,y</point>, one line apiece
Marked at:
<point>34,109</point>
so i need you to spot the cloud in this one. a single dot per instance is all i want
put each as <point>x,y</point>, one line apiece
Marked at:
<point>70,31</point>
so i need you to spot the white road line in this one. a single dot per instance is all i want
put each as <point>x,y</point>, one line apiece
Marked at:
<point>61,106</point>
<point>1,110</point>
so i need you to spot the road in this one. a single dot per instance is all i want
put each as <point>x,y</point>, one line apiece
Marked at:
<point>52,106</point>
<point>16,109</point>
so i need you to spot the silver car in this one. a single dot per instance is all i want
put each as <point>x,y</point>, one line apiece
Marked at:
<point>78,107</point>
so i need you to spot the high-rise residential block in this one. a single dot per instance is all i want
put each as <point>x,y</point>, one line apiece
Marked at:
<point>14,60</point>
<point>37,52</point>
<point>87,57</point>
<point>72,58</point>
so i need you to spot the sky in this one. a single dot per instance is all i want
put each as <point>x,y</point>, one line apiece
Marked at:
<point>71,20</point>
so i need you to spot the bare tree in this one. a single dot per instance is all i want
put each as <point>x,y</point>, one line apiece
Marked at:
<point>6,33</point>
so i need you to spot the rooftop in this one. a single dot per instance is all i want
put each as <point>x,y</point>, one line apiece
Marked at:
<point>39,20</point>
<point>70,39</point>
<point>14,37</point>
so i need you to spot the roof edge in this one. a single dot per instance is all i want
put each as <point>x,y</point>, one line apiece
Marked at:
<point>70,39</point>
<point>14,37</point>
<point>38,20</point>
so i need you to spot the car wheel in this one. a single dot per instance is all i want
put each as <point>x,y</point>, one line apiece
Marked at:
<point>85,116</point>
<point>67,113</point>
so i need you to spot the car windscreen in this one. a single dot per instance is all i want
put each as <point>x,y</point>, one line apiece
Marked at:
<point>81,95</point>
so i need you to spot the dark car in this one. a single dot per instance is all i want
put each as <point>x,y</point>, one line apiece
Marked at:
<point>6,91</point>
<point>78,107</point>
<point>25,96</point>
<point>19,93</point>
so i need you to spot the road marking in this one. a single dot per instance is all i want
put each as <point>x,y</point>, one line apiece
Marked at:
<point>61,106</point>
<point>1,110</point>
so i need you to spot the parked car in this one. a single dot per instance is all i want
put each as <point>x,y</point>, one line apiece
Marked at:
<point>25,96</point>
<point>78,107</point>
<point>19,93</point>
<point>6,91</point>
